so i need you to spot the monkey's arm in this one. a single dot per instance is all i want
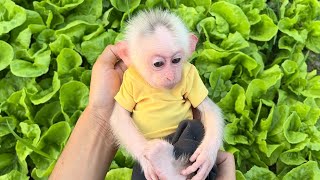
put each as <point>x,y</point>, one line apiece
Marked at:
<point>213,123</point>
<point>144,151</point>
<point>126,133</point>
<point>205,155</point>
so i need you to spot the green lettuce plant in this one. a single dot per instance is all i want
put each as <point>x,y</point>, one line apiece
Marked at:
<point>252,56</point>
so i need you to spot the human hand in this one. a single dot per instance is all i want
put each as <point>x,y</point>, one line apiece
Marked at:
<point>226,166</point>
<point>106,79</point>
<point>203,159</point>
<point>91,137</point>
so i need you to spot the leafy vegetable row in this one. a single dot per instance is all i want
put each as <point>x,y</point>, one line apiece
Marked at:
<point>252,56</point>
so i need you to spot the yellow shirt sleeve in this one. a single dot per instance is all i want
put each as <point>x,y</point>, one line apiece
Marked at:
<point>125,95</point>
<point>196,91</point>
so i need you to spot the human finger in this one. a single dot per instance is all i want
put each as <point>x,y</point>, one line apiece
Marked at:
<point>108,56</point>
<point>223,156</point>
<point>226,165</point>
<point>120,67</point>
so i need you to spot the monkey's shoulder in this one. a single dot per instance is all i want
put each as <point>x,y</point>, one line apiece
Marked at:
<point>132,77</point>
<point>188,67</point>
<point>189,71</point>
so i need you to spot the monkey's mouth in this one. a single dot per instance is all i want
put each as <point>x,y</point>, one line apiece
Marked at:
<point>170,85</point>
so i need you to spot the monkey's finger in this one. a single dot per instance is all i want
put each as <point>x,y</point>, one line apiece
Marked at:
<point>208,171</point>
<point>192,168</point>
<point>152,172</point>
<point>195,155</point>
<point>153,176</point>
<point>202,173</point>
<point>149,174</point>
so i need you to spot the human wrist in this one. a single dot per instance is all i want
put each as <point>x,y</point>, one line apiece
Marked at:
<point>102,111</point>
<point>98,120</point>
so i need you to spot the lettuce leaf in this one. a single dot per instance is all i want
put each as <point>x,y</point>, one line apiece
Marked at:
<point>39,66</point>
<point>4,129</point>
<point>264,30</point>
<point>308,170</point>
<point>31,133</point>
<point>67,60</point>
<point>190,15</point>
<point>214,28</point>
<point>13,16</point>
<point>51,142</point>
<point>73,97</point>
<point>120,173</point>
<point>93,48</point>
<point>14,174</point>
<point>125,6</point>
<point>63,6</point>
<point>263,173</point>
<point>253,56</point>
<point>6,54</point>
<point>49,14</point>
<point>314,37</point>
<point>18,106</point>
<point>79,30</point>
<point>63,41</point>
<point>234,101</point>
<point>234,15</point>
<point>45,95</point>
<point>49,114</point>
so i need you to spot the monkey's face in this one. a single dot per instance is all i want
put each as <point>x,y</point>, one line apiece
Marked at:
<point>165,71</point>
<point>159,59</point>
<point>162,69</point>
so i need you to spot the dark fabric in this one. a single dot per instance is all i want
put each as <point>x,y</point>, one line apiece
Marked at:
<point>185,141</point>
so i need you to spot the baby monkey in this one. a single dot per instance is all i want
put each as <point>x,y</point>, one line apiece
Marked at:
<point>158,91</point>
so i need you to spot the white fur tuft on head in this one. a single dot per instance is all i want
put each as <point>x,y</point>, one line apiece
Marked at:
<point>146,22</point>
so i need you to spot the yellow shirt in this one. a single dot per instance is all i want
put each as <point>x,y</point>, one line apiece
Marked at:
<point>157,113</point>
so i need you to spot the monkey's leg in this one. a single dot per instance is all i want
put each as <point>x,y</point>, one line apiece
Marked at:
<point>186,140</point>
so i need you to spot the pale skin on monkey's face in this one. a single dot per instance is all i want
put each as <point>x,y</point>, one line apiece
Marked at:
<point>159,58</point>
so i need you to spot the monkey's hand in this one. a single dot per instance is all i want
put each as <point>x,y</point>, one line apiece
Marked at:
<point>160,155</point>
<point>202,160</point>
<point>148,170</point>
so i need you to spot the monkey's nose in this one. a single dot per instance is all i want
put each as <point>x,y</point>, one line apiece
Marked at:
<point>170,78</point>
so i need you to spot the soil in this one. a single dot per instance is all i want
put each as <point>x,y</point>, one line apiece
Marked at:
<point>313,62</point>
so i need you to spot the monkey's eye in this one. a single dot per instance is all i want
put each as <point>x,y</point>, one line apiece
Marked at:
<point>176,60</point>
<point>158,64</point>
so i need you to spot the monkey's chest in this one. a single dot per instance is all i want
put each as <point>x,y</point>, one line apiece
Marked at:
<point>158,114</point>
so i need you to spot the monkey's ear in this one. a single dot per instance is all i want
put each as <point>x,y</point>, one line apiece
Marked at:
<point>123,52</point>
<point>193,42</point>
